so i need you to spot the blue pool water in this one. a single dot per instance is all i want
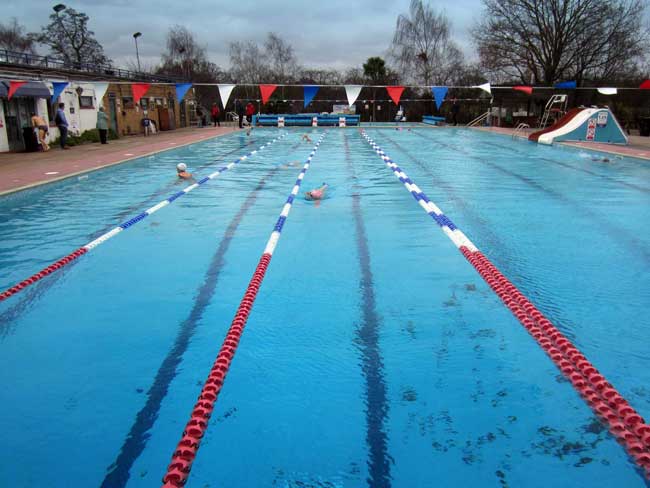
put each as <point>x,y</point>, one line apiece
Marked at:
<point>374,356</point>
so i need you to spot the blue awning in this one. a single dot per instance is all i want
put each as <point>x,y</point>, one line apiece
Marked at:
<point>35,89</point>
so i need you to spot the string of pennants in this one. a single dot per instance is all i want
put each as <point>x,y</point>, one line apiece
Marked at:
<point>352,92</point>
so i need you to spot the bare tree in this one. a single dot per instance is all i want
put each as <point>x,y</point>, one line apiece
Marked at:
<point>547,41</point>
<point>14,38</point>
<point>315,76</point>
<point>422,47</point>
<point>68,37</point>
<point>283,63</point>
<point>247,63</point>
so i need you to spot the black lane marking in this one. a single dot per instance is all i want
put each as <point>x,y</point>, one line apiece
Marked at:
<point>372,363</point>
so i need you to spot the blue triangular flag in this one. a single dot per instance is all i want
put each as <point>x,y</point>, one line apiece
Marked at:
<point>439,93</point>
<point>181,90</point>
<point>566,85</point>
<point>57,89</point>
<point>310,93</point>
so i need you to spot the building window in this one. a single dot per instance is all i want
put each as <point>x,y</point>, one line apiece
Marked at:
<point>159,101</point>
<point>127,102</point>
<point>144,103</point>
<point>86,102</point>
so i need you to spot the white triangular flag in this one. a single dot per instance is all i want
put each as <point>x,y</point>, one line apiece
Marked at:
<point>485,87</point>
<point>352,92</point>
<point>608,91</point>
<point>100,91</point>
<point>224,93</point>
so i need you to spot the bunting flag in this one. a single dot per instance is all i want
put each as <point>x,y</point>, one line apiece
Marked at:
<point>645,85</point>
<point>181,90</point>
<point>139,89</point>
<point>13,88</point>
<point>566,85</point>
<point>352,92</point>
<point>607,91</point>
<point>267,91</point>
<point>310,92</point>
<point>100,91</point>
<point>522,88</point>
<point>439,94</point>
<point>57,89</point>
<point>224,93</point>
<point>485,87</point>
<point>395,93</point>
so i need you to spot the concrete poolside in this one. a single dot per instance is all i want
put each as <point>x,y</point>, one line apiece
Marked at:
<point>638,147</point>
<point>24,170</point>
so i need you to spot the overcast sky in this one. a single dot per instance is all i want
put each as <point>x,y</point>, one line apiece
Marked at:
<point>333,33</point>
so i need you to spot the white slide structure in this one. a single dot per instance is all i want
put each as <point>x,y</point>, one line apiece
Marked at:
<point>586,124</point>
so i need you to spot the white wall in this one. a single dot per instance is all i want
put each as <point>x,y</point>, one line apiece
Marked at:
<point>82,119</point>
<point>4,140</point>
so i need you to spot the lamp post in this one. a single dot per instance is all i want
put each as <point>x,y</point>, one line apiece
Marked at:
<point>137,54</point>
<point>58,7</point>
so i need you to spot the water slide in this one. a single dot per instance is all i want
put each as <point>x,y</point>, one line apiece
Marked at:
<point>583,124</point>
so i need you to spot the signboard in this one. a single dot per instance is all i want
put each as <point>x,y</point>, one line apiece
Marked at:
<point>344,109</point>
<point>591,129</point>
<point>602,118</point>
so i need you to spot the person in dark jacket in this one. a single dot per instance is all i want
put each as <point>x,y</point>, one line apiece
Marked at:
<point>62,125</point>
<point>455,108</point>
<point>239,108</point>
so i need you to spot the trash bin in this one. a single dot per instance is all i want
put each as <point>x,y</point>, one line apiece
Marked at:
<point>31,141</point>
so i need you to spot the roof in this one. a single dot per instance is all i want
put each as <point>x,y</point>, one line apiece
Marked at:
<point>35,89</point>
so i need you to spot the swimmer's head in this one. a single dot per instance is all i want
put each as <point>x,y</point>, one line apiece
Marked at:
<point>180,167</point>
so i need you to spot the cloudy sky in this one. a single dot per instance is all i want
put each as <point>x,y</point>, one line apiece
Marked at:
<point>335,33</point>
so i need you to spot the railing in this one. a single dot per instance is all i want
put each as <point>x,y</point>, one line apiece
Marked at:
<point>520,128</point>
<point>28,59</point>
<point>479,119</point>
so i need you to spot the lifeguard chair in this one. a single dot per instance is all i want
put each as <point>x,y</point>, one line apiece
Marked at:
<point>554,110</point>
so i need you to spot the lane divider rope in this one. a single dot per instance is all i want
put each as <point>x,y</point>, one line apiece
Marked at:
<point>125,225</point>
<point>624,423</point>
<point>179,469</point>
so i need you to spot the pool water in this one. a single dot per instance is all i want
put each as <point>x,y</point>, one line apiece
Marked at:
<point>374,356</point>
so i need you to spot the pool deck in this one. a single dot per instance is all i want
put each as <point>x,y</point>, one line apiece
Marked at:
<point>19,171</point>
<point>638,147</point>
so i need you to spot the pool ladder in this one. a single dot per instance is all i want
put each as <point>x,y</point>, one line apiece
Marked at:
<point>478,120</point>
<point>519,129</point>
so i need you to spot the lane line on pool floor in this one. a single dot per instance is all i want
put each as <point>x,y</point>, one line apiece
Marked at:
<point>625,424</point>
<point>187,448</point>
<point>372,365</point>
<point>119,472</point>
<point>125,225</point>
<point>29,297</point>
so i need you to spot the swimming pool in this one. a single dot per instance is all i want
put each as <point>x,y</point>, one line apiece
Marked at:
<point>374,355</point>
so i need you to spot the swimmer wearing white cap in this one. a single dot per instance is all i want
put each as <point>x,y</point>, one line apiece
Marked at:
<point>181,169</point>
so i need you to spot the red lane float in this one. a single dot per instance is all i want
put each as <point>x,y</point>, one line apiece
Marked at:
<point>624,423</point>
<point>43,273</point>
<point>182,459</point>
<point>179,469</point>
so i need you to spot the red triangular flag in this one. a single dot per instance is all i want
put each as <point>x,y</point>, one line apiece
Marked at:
<point>644,86</point>
<point>395,93</point>
<point>267,91</point>
<point>13,88</point>
<point>139,89</point>
<point>526,89</point>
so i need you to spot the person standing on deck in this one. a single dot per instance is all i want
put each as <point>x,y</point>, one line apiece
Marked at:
<point>214,112</point>
<point>239,108</point>
<point>62,124</point>
<point>250,111</point>
<point>102,125</point>
<point>455,108</point>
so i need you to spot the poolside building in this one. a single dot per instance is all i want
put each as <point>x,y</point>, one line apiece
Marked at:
<point>125,118</point>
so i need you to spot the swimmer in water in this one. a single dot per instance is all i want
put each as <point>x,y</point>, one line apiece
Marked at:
<point>181,170</point>
<point>601,160</point>
<point>317,193</point>
<point>305,137</point>
<point>290,165</point>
